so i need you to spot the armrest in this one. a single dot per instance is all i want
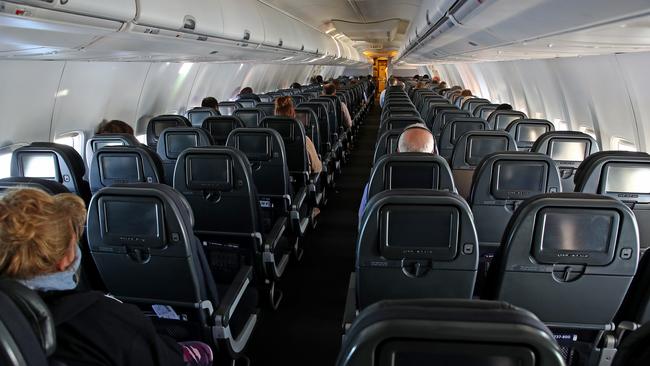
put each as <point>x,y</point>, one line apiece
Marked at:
<point>233,296</point>
<point>350,311</point>
<point>298,223</point>
<point>270,244</point>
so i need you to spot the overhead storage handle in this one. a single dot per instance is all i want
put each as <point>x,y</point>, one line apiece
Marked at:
<point>189,22</point>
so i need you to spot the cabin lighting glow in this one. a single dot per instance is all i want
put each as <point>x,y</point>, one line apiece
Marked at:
<point>185,68</point>
<point>62,93</point>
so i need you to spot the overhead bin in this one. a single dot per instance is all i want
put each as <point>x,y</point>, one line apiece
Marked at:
<point>241,20</point>
<point>117,10</point>
<point>279,29</point>
<point>192,16</point>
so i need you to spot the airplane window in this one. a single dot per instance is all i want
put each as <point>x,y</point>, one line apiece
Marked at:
<point>73,139</point>
<point>623,144</point>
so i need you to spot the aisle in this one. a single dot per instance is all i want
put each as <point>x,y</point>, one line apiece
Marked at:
<point>306,330</point>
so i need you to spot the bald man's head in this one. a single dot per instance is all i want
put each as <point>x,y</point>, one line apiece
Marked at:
<point>416,138</point>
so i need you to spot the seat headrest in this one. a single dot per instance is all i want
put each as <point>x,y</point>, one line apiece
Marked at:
<point>458,126</point>
<point>250,116</point>
<point>514,176</point>
<point>567,148</point>
<point>621,174</point>
<point>220,126</point>
<point>443,330</point>
<point>159,123</point>
<point>527,130</point>
<point>48,186</point>
<point>289,128</point>
<point>573,228</point>
<point>410,171</point>
<point>35,312</point>
<point>227,108</point>
<point>500,119</point>
<point>124,164</point>
<point>259,144</point>
<point>212,169</point>
<point>197,115</point>
<point>174,140</point>
<point>473,146</point>
<point>387,143</point>
<point>46,160</point>
<point>108,139</point>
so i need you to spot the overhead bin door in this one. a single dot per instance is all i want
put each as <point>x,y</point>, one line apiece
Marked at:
<point>193,16</point>
<point>279,29</point>
<point>241,21</point>
<point>120,10</point>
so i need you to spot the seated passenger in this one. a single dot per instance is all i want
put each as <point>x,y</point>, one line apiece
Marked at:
<point>114,126</point>
<point>421,85</point>
<point>38,248</point>
<point>392,81</point>
<point>284,107</point>
<point>504,107</point>
<point>416,77</point>
<point>465,94</point>
<point>414,138</point>
<point>296,86</point>
<point>330,89</point>
<point>210,102</point>
<point>247,93</point>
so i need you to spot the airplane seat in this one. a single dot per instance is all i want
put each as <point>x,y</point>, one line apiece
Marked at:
<point>51,161</point>
<point>634,350</point>
<point>636,305</point>
<point>309,120</point>
<point>437,108</point>
<point>266,154</point>
<point>470,149</point>
<point>227,108</point>
<point>247,103</point>
<point>108,139</point>
<point>398,122</point>
<point>124,164</point>
<point>219,127</point>
<point>327,134</point>
<point>470,103</point>
<point>298,99</point>
<point>158,124</point>
<point>502,181</point>
<point>448,332</point>
<point>568,149</point>
<point>337,130</point>
<point>484,110</point>
<point>197,115</point>
<point>569,258</point>
<point>293,135</point>
<point>454,129</point>
<point>27,328</point>
<point>250,116</point>
<point>156,262</point>
<point>386,144</point>
<point>267,107</point>
<point>527,130</point>
<point>265,98</point>
<point>500,119</point>
<point>410,171</point>
<point>415,243</point>
<point>173,141</point>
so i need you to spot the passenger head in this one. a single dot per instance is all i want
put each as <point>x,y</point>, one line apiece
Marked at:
<point>246,90</point>
<point>329,89</point>
<point>425,77</point>
<point>466,93</point>
<point>417,138</point>
<point>442,85</point>
<point>319,79</point>
<point>392,81</point>
<point>210,102</point>
<point>296,86</point>
<point>114,126</point>
<point>416,77</point>
<point>504,107</point>
<point>456,87</point>
<point>420,85</point>
<point>401,84</point>
<point>39,232</point>
<point>284,107</point>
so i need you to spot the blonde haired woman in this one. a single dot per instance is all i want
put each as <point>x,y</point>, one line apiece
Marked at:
<point>38,247</point>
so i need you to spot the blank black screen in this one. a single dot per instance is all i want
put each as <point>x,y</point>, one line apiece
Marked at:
<point>520,177</point>
<point>254,146</point>
<point>133,218</point>
<point>628,179</point>
<point>460,128</point>
<point>530,133</point>
<point>504,120</point>
<point>176,143</point>
<point>419,228</point>
<point>249,119</point>
<point>220,130</point>
<point>214,170</point>
<point>484,145</point>
<point>568,150</point>
<point>576,231</point>
<point>160,126</point>
<point>123,168</point>
<point>197,118</point>
<point>412,175</point>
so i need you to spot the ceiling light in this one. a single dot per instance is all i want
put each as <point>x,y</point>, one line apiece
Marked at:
<point>330,30</point>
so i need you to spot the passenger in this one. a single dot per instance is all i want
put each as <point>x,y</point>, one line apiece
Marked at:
<point>416,77</point>
<point>210,102</point>
<point>426,77</point>
<point>466,93</point>
<point>38,247</point>
<point>247,94</point>
<point>504,107</point>
<point>330,89</point>
<point>436,80</point>
<point>414,138</point>
<point>296,86</point>
<point>284,107</point>
<point>392,81</point>
<point>114,126</point>
<point>319,79</point>
<point>421,85</point>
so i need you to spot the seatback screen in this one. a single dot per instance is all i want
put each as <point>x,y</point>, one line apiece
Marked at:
<point>503,120</point>
<point>518,179</point>
<point>412,175</point>
<point>137,222</point>
<point>247,103</point>
<point>627,178</point>
<point>39,165</point>
<point>197,118</point>
<point>160,126</point>
<point>220,130</point>
<point>460,128</point>
<point>567,235</point>
<point>485,112</point>
<point>480,146</point>
<point>407,229</point>
<point>250,119</point>
<point>255,146</point>
<point>562,150</point>
<point>101,144</point>
<point>209,172</point>
<point>120,169</point>
<point>530,133</point>
<point>177,142</point>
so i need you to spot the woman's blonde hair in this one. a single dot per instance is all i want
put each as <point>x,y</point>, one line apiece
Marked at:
<point>284,107</point>
<point>36,230</point>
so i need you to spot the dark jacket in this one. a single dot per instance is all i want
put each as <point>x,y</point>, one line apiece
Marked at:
<point>93,329</point>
